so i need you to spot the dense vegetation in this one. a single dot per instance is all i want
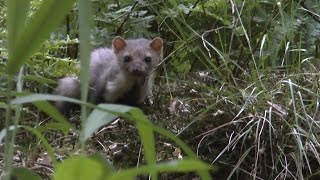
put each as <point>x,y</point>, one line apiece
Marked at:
<point>239,84</point>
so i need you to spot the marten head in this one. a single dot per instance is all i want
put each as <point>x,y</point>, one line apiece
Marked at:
<point>138,57</point>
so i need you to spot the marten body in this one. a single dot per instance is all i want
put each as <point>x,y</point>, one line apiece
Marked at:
<point>122,74</point>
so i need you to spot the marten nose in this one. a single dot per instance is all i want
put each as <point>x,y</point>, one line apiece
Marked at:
<point>138,69</point>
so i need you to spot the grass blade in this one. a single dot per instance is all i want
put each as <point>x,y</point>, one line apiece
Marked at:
<point>41,24</point>
<point>84,31</point>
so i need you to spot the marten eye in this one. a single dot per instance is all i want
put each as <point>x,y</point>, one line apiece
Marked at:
<point>147,59</point>
<point>127,59</point>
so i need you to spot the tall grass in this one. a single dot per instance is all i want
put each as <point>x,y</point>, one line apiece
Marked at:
<point>275,97</point>
<point>21,46</point>
<point>265,73</point>
<point>254,110</point>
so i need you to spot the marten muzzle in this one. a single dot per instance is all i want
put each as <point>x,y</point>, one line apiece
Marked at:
<point>138,69</point>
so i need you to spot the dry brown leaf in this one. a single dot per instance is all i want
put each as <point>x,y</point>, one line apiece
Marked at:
<point>279,109</point>
<point>173,107</point>
<point>177,153</point>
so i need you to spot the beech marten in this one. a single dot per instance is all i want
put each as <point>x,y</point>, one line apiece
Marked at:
<point>121,75</point>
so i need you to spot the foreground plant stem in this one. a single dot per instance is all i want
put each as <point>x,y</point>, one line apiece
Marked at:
<point>8,146</point>
<point>84,30</point>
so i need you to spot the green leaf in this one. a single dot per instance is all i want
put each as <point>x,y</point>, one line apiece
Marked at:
<point>84,9</point>
<point>102,160</point>
<point>186,165</point>
<point>53,112</point>
<point>112,108</point>
<point>99,118</point>
<point>44,141</point>
<point>54,126</point>
<point>35,132</point>
<point>21,173</point>
<point>43,97</point>
<point>39,79</point>
<point>81,168</point>
<point>139,118</point>
<point>41,24</point>
<point>147,138</point>
<point>242,158</point>
<point>116,108</point>
<point>17,14</point>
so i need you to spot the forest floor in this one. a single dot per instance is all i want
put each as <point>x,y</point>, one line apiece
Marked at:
<point>182,107</point>
<point>218,121</point>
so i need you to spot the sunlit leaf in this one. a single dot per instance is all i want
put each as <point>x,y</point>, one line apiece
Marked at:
<point>172,166</point>
<point>53,112</point>
<point>81,168</point>
<point>99,118</point>
<point>45,142</point>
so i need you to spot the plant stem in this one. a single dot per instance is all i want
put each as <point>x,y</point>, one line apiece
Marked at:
<point>84,30</point>
<point>8,147</point>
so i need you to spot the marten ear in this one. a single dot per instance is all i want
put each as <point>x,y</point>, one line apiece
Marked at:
<point>118,44</point>
<point>156,44</point>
